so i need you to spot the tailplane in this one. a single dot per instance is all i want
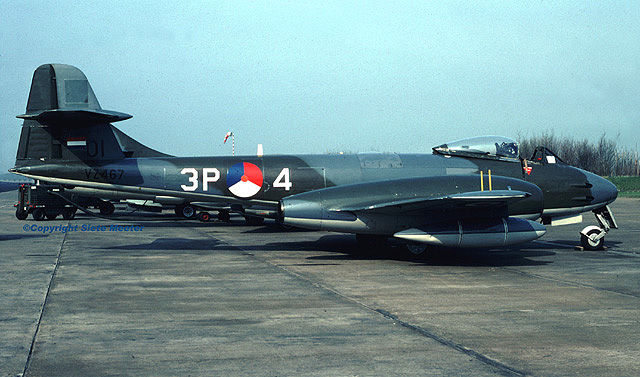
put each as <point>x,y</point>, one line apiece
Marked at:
<point>64,122</point>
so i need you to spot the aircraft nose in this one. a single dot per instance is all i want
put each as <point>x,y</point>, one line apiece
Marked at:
<point>602,191</point>
<point>20,170</point>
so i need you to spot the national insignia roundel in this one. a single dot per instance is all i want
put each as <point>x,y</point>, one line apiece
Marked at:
<point>244,179</point>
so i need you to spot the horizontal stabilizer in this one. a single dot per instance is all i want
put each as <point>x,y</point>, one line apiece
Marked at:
<point>75,116</point>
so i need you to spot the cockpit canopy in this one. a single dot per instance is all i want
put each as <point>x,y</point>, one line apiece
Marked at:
<point>497,147</point>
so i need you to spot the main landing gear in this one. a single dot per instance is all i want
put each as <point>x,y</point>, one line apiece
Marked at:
<point>105,207</point>
<point>189,211</point>
<point>186,210</point>
<point>592,237</point>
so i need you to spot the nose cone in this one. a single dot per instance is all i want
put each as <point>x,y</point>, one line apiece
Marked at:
<point>20,170</point>
<point>602,191</point>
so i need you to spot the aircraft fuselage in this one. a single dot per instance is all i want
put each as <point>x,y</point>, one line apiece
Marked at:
<point>270,178</point>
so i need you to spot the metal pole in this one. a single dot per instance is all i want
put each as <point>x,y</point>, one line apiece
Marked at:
<point>233,142</point>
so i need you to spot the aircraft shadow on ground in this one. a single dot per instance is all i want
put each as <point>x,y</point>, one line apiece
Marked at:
<point>618,246</point>
<point>175,244</point>
<point>11,237</point>
<point>344,247</point>
<point>157,221</point>
<point>275,228</point>
<point>576,242</point>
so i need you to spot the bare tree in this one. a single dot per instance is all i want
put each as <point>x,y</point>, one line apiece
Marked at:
<point>602,157</point>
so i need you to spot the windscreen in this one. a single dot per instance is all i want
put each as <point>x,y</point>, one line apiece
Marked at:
<point>499,146</point>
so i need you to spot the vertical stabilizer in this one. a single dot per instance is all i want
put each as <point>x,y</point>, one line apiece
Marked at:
<point>64,122</point>
<point>60,86</point>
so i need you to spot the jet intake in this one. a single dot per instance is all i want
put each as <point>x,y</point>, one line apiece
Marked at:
<point>476,233</point>
<point>314,215</point>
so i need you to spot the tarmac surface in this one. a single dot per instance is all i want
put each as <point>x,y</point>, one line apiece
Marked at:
<point>180,297</point>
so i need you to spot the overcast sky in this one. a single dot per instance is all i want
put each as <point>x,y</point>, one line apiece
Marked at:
<point>312,77</point>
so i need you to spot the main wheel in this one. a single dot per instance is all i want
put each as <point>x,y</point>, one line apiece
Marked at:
<point>415,248</point>
<point>204,216</point>
<point>38,214</point>
<point>68,213</point>
<point>590,244</point>
<point>186,210</point>
<point>21,215</point>
<point>106,208</point>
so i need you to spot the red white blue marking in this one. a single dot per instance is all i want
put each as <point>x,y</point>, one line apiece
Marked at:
<point>244,179</point>
<point>76,142</point>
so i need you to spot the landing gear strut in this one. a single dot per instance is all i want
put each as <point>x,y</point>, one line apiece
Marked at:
<point>592,237</point>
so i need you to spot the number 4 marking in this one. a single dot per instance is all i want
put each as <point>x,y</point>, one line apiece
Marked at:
<point>283,180</point>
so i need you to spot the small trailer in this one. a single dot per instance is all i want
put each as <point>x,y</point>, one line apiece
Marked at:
<point>49,201</point>
<point>38,201</point>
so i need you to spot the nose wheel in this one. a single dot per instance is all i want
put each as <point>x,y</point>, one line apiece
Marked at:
<point>592,237</point>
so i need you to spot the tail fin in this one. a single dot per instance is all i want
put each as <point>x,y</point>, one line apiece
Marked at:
<point>64,122</point>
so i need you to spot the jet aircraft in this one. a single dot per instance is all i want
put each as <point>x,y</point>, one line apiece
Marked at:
<point>475,192</point>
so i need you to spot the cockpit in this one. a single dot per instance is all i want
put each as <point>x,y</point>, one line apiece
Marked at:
<point>545,156</point>
<point>495,148</point>
<point>490,147</point>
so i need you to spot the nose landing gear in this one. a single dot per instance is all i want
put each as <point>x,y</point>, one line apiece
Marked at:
<point>592,237</point>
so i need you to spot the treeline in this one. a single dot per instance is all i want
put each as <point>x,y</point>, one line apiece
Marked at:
<point>603,157</point>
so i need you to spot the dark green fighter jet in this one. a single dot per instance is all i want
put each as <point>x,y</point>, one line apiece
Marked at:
<point>470,193</point>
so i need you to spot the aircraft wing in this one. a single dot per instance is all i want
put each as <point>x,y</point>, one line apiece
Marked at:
<point>439,210</point>
<point>418,200</point>
<point>482,200</point>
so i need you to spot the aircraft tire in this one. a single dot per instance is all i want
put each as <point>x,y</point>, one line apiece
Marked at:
<point>204,216</point>
<point>186,210</point>
<point>415,248</point>
<point>588,244</point>
<point>38,214</point>
<point>68,213</point>
<point>21,215</point>
<point>252,220</point>
<point>106,208</point>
